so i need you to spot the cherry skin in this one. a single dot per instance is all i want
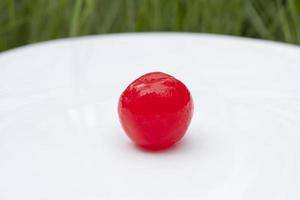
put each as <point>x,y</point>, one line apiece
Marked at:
<point>155,110</point>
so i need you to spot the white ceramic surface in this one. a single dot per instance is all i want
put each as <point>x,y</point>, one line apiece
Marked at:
<point>60,138</point>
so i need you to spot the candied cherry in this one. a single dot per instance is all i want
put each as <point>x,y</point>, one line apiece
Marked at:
<point>155,110</point>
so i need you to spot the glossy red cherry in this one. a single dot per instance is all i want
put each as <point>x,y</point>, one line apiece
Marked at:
<point>155,110</point>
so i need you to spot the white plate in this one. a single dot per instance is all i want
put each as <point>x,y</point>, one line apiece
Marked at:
<point>60,138</point>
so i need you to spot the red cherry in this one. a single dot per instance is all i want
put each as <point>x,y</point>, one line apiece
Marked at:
<point>155,110</point>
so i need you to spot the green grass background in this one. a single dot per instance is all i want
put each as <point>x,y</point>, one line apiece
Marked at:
<point>28,21</point>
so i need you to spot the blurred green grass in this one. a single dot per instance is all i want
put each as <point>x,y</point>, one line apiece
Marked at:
<point>28,21</point>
